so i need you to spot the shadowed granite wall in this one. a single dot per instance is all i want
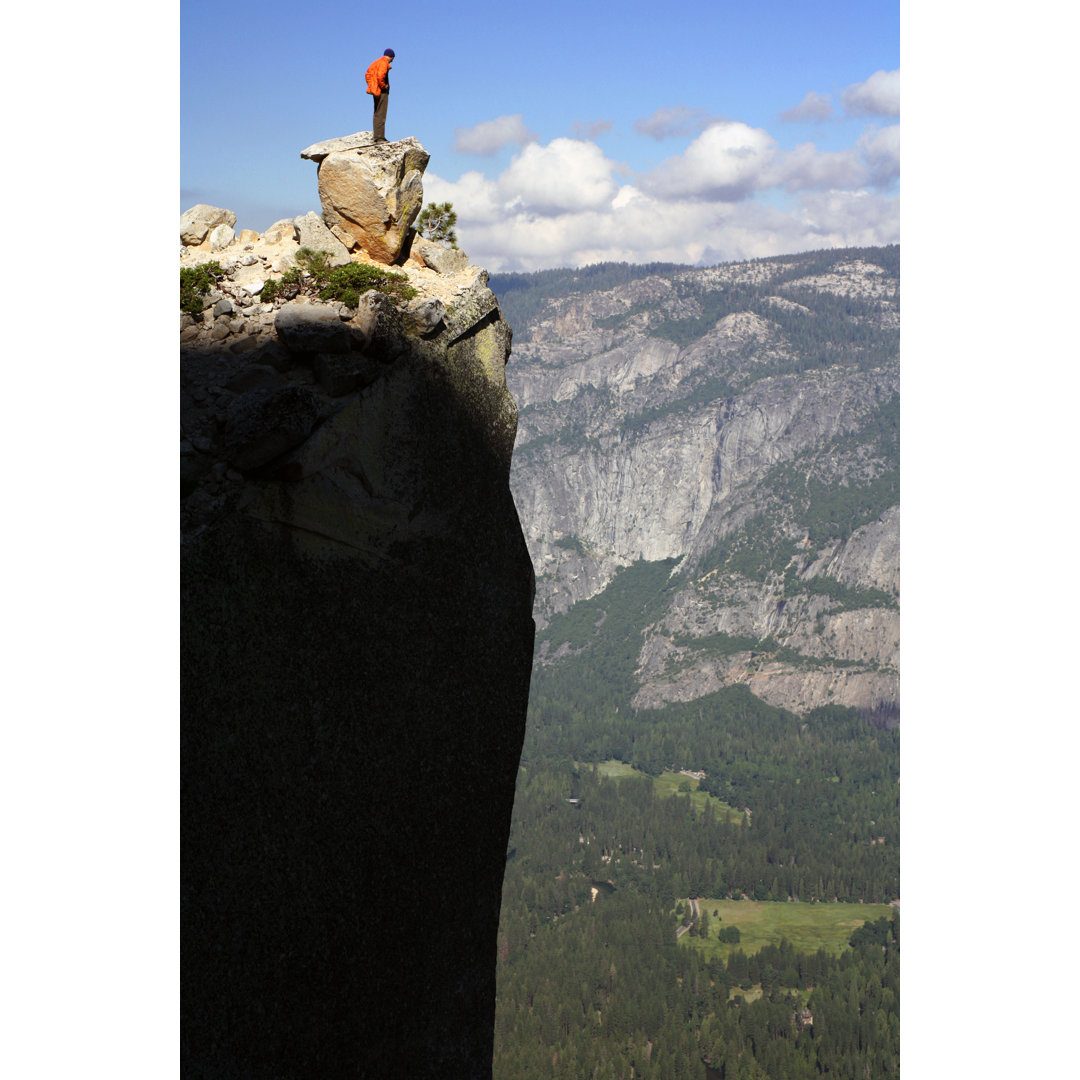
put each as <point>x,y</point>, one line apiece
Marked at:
<point>356,648</point>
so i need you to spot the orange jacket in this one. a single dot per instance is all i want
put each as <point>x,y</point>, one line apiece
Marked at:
<point>378,76</point>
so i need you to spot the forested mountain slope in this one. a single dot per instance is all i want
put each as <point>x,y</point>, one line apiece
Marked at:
<point>740,424</point>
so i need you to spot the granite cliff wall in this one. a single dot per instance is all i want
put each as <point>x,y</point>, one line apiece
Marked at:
<point>356,648</point>
<point>718,416</point>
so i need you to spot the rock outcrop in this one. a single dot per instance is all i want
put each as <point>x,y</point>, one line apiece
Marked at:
<point>356,650</point>
<point>197,223</point>
<point>371,192</point>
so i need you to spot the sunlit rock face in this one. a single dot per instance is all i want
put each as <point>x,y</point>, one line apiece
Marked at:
<point>371,191</point>
<point>704,415</point>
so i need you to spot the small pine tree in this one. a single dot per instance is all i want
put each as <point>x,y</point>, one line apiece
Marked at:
<point>436,222</point>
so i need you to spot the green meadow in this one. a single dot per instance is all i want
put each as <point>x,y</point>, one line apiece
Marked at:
<point>668,783</point>
<point>807,927</point>
<point>615,769</point>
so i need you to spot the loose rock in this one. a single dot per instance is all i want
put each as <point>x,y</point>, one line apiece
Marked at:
<point>314,234</point>
<point>221,237</point>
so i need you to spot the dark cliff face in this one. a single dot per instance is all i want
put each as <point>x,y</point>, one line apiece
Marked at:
<point>356,648</point>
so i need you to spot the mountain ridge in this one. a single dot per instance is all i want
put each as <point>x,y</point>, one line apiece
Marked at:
<point>743,421</point>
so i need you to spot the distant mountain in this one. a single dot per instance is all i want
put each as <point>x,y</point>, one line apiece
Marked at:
<point>741,422</point>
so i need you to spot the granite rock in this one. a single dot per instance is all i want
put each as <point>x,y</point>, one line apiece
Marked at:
<point>372,192</point>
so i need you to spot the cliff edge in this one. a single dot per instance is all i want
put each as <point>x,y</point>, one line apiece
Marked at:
<point>356,647</point>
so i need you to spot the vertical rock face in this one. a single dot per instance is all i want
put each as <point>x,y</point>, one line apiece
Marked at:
<point>744,420</point>
<point>356,648</point>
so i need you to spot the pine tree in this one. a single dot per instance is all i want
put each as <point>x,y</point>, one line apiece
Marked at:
<point>436,223</point>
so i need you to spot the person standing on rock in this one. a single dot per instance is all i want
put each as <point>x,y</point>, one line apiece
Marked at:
<point>378,85</point>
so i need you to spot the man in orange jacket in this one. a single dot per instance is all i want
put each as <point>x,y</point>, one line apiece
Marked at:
<point>378,85</point>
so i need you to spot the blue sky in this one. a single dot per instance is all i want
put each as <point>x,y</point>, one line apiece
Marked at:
<point>566,133</point>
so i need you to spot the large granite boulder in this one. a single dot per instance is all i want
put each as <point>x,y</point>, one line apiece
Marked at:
<point>197,222</point>
<point>372,192</point>
<point>356,649</point>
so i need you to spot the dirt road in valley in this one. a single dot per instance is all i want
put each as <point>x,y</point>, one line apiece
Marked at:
<point>695,909</point>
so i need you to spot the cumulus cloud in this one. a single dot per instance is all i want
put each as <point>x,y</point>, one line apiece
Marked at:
<point>636,227</point>
<point>666,123</point>
<point>565,177</point>
<point>806,169</point>
<point>561,204</point>
<point>567,174</point>
<point>474,196</point>
<point>881,152</point>
<point>632,228</point>
<point>490,136</point>
<point>873,161</point>
<point>813,107</point>
<point>727,161</point>
<point>582,130</point>
<point>877,96</point>
<point>850,218</point>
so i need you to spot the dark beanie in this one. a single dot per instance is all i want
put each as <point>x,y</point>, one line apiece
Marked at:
<point>390,53</point>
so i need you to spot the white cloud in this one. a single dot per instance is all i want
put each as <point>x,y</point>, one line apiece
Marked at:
<point>877,96</point>
<point>675,120</point>
<point>561,204</point>
<point>807,168</point>
<point>636,227</point>
<point>474,196</point>
<point>726,161</point>
<point>491,136</point>
<point>851,218</point>
<point>814,106</point>
<point>881,151</point>
<point>565,175</point>
<point>874,160</point>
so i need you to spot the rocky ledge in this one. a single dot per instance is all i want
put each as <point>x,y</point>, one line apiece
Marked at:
<point>243,354</point>
<point>245,351</point>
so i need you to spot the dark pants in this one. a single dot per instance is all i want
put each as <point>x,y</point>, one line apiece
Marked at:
<point>379,122</point>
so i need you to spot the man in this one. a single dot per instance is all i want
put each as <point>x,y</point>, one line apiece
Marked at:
<point>378,85</point>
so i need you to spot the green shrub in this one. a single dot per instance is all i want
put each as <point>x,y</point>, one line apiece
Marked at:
<point>347,283</point>
<point>195,283</point>
<point>316,263</point>
<point>312,272</point>
<point>283,288</point>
